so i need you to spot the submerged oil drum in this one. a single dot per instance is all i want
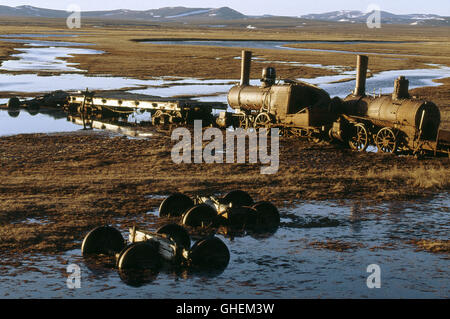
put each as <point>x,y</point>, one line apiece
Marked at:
<point>237,198</point>
<point>200,216</point>
<point>210,253</point>
<point>103,240</point>
<point>139,256</point>
<point>175,205</point>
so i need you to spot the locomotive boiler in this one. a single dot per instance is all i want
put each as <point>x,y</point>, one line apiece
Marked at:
<point>392,123</point>
<point>298,106</point>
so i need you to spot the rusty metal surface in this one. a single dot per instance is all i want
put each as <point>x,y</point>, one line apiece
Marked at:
<point>444,137</point>
<point>133,100</point>
<point>245,67</point>
<point>401,87</point>
<point>419,114</point>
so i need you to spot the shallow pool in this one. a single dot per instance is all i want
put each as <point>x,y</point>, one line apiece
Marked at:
<point>22,122</point>
<point>278,45</point>
<point>45,59</point>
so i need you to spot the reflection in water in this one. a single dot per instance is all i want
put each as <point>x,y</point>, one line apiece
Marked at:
<point>13,113</point>
<point>33,110</point>
<point>138,278</point>
<point>103,266</point>
<point>231,233</point>
<point>34,120</point>
<point>356,217</point>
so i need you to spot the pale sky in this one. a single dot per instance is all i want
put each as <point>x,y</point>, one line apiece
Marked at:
<point>250,7</point>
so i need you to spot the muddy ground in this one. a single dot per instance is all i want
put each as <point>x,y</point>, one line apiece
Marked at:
<point>70,183</point>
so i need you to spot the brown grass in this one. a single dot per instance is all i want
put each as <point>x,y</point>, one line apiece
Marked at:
<point>336,245</point>
<point>74,182</point>
<point>432,245</point>
<point>423,177</point>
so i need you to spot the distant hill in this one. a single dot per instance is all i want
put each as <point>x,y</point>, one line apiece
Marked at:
<point>353,16</point>
<point>210,15</point>
<point>162,14</point>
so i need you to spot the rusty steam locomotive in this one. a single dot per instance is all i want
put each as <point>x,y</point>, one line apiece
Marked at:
<point>393,123</point>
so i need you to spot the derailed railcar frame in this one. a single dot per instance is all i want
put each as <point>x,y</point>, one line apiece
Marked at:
<point>162,110</point>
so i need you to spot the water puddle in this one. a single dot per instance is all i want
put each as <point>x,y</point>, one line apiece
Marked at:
<point>161,197</point>
<point>45,59</point>
<point>382,82</point>
<point>22,122</point>
<point>278,45</point>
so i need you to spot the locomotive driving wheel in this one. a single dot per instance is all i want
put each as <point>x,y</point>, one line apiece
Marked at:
<point>262,121</point>
<point>156,117</point>
<point>360,139</point>
<point>242,120</point>
<point>386,140</point>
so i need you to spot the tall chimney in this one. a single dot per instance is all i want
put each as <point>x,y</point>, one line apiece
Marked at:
<point>361,74</point>
<point>401,87</point>
<point>245,67</point>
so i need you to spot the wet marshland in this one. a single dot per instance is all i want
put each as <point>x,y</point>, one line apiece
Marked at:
<point>321,249</point>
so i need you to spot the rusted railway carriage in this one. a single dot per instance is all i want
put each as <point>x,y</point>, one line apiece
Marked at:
<point>392,123</point>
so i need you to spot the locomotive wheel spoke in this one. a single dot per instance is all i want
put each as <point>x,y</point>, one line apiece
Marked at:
<point>360,140</point>
<point>386,140</point>
<point>262,120</point>
<point>243,121</point>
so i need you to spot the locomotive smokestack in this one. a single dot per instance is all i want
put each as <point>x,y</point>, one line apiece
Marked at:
<point>361,74</point>
<point>245,67</point>
<point>401,87</point>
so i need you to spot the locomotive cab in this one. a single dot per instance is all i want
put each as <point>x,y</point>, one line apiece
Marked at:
<point>307,106</point>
